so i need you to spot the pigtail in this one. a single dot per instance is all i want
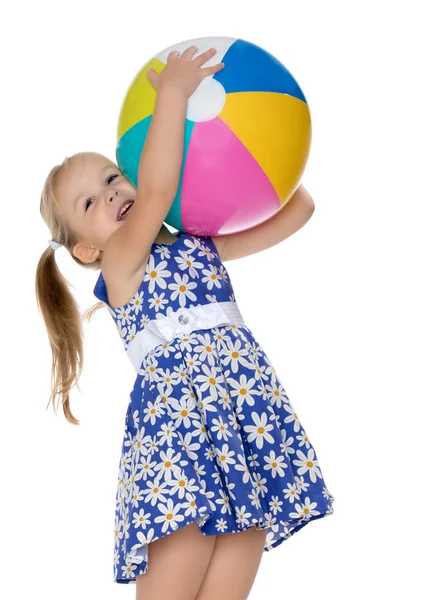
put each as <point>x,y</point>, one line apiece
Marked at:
<point>64,326</point>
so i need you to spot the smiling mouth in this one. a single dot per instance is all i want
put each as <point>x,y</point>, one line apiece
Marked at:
<point>124,209</point>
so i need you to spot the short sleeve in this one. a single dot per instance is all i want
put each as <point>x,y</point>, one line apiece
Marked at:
<point>100,289</point>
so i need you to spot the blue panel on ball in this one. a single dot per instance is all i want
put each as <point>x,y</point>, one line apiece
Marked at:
<point>249,68</point>
<point>129,147</point>
<point>128,152</point>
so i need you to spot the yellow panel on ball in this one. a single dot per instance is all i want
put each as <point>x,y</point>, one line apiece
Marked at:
<point>276,129</point>
<point>140,98</point>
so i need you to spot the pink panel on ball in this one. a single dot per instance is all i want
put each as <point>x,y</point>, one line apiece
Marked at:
<point>224,189</point>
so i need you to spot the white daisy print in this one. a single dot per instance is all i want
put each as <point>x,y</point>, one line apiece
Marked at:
<point>271,521</point>
<point>276,394</point>
<point>123,332</point>
<point>183,411</point>
<point>305,510</point>
<point>156,273</point>
<point>225,457</point>
<point>187,262</point>
<point>141,519</point>
<point>260,484</point>
<point>131,333</point>
<point>209,380</point>
<point>242,466</point>
<point>193,243</point>
<point>180,485</point>
<point>291,492</point>
<point>158,301</point>
<point>234,356</point>
<point>221,525</point>
<point>255,499</point>
<point>137,302</point>
<point>303,440</point>
<point>193,363</point>
<point>211,298</point>
<point>156,492</point>
<point>182,289</point>
<point>327,494</point>
<point>243,390</point>
<point>301,484</point>
<point>168,465</point>
<point>144,539</point>
<point>308,463</point>
<point>242,516</point>
<point>221,428</point>
<point>260,430</point>
<point>167,433</point>
<point>152,411</point>
<point>140,442</point>
<point>144,320</point>
<point>171,516</point>
<point>211,277</point>
<point>163,251</point>
<point>206,349</point>
<point>292,418</point>
<point>189,506</point>
<point>223,273</point>
<point>146,468</point>
<point>275,504</point>
<point>125,316</point>
<point>200,433</point>
<point>190,446</point>
<point>276,464</point>
<point>287,443</point>
<point>168,379</point>
<point>128,570</point>
<point>118,533</point>
<point>223,501</point>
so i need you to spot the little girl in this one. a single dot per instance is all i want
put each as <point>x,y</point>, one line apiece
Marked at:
<point>215,465</point>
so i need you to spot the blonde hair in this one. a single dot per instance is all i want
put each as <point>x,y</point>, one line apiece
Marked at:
<point>57,305</point>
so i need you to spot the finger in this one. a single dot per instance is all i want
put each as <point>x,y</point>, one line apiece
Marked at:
<point>206,71</point>
<point>173,54</point>
<point>152,76</point>
<point>189,52</point>
<point>204,57</point>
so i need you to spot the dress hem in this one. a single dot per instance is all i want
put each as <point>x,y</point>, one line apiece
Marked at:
<point>299,524</point>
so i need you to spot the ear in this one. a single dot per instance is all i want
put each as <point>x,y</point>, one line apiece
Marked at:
<point>87,254</point>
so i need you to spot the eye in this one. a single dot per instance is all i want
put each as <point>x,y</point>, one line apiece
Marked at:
<point>109,178</point>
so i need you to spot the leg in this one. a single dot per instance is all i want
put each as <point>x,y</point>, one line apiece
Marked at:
<point>233,566</point>
<point>177,565</point>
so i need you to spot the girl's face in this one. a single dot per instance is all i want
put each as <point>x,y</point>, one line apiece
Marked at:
<point>90,194</point>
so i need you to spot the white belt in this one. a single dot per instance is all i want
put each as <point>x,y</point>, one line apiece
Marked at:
<point>183,321</point>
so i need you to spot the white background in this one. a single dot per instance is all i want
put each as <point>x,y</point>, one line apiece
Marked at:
<point>340,307</point>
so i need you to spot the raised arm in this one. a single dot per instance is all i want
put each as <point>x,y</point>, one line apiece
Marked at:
<point>128,248</point>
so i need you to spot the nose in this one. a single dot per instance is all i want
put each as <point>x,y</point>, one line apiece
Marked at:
<point>111,197</point>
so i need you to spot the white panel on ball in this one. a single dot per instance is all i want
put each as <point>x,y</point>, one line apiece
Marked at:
<point>221,44</point>
<point>209,98</point>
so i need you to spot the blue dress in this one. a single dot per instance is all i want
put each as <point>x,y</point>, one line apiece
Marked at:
<point>210,434</point>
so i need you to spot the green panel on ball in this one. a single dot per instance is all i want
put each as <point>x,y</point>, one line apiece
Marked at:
<point>128,152</point>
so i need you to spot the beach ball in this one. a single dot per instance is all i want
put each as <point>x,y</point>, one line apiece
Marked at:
<point>246,140</point>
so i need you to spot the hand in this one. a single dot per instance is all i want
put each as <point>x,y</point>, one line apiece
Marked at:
<point>183,73</point>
